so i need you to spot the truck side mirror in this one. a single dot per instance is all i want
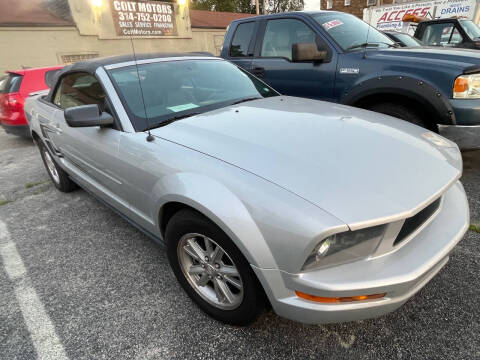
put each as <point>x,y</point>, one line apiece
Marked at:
<point>307,52</point>
<point>87,116</point>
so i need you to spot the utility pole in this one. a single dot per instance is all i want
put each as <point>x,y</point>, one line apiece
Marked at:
<point>257,4</point>
<point>264,7</point>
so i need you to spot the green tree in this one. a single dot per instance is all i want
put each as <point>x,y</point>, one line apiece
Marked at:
<point>247,6</point>
<point>214,5</point>
<point>276,6</point>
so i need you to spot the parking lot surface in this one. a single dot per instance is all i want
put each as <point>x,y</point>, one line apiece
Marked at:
<point>78,282</point>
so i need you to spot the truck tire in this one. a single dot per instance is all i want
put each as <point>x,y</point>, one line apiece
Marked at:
<point>400,111</point>
<point>211,269</point>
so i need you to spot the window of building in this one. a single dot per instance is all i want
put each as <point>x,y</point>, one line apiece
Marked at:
<point>329,4</point>
<point>241,40</point>
<point>347,2</point>
<point>371,2</point>
<point>73,58</point>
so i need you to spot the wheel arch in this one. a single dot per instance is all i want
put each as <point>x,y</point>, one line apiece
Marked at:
<point>429,101</point>
<point>218,204</point>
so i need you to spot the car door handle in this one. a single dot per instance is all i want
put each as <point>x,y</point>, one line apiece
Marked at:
<point>258,71</point>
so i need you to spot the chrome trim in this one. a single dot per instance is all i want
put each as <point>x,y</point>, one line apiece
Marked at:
<point>157,60</point>
<point>116,102</point>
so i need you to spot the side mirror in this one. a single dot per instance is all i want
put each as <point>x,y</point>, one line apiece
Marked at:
<point>307,52</point>
<point>86,116</point>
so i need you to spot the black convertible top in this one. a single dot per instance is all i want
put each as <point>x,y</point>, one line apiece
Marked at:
<point>92,65</point>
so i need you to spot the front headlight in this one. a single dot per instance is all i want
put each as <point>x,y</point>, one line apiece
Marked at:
<point>467,87</point>
<point>345,247</point>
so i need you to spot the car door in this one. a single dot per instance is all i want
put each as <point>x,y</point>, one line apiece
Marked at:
<point>240,49</point>
<point>90,152</point>
<point>273,60</point>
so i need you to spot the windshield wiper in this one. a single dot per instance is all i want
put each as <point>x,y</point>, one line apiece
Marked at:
<point>246,99</point>
<point>366,44</point>
<point>172,119</point>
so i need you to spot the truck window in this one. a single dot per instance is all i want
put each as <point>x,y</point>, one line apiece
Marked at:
<point>241,40</point>
<point>281,34</point>
<point>441,35</point>
<point>79,89</point>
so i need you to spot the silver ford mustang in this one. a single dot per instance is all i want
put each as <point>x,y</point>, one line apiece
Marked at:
<point>327,212</point>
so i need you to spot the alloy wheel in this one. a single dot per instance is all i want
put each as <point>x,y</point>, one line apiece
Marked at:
<point>210,271</point>
<point>52,169</point>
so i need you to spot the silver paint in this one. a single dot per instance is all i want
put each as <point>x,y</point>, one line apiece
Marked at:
<point>278,175</point>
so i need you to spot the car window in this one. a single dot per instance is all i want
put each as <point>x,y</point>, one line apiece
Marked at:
<point>50,77</point>
<point>241,40</point>
<point>441,35</point>
<point>407,40</point>
<point>471,29</point>
<point>79,89</point>
<point>177,88</point>
<point>281,34</point>
<point>10,83</point>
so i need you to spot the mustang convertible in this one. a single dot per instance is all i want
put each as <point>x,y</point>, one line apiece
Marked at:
<point>329,213</point>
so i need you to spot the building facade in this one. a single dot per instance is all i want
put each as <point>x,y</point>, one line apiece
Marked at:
<point>354,7</point>
<point>35,33</point>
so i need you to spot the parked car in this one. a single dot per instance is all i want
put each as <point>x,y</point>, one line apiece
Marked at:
<point>330,212</point>
<point>337,57</point>
<point>15,86</point>
<point>451,32</point>
<point>403,39</point>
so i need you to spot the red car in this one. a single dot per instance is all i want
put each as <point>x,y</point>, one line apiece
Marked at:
<point>15,86</point>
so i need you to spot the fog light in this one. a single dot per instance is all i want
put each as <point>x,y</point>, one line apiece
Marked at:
<point>322,299</point>
<point>323,248</point>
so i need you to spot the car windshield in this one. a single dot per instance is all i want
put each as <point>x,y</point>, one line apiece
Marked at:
<point>407,40</point>
<point>177,89</point>
<point>350,32</point>
<point>472,30</point>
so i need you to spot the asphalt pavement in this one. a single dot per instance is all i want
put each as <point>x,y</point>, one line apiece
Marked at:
<point>78,282</point>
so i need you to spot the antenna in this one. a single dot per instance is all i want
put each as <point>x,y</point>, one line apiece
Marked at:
<point>150,136</point>
<point>366,40</point>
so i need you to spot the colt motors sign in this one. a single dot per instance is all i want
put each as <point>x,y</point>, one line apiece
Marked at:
<point>390,17</point>
<point>143,18</point>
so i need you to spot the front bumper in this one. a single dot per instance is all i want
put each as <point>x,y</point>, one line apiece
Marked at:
<point>467,137</point>
<point>19,130</point>
<point>399,274</point>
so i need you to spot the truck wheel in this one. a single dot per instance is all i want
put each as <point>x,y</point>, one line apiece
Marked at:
<point>60,178</point>
<point>401,112</point>
<point>211,269</point>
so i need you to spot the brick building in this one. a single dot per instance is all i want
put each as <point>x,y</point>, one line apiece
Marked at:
<point>354,7</point>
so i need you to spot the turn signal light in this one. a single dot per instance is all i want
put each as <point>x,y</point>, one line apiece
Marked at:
<point>322,299</point>
<point>461,85</point>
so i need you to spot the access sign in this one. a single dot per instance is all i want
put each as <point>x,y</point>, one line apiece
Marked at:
<point>390,17</point>
<point>143,18</point>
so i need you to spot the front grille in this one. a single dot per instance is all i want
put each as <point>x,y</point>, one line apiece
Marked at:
<point>413,223</point>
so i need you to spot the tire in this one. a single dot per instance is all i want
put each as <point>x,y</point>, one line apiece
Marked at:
<point>401,112</point>
<point>187,227</point>
<point>60,178</point>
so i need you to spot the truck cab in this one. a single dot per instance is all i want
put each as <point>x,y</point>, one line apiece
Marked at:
<point>453,32</point>
<point>337,57</point>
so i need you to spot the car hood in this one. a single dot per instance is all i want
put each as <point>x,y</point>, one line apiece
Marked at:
<point>459,58</point>
<point>360,166</point>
